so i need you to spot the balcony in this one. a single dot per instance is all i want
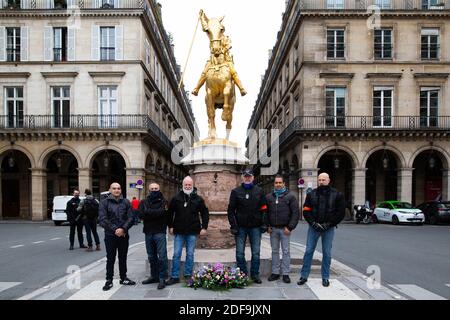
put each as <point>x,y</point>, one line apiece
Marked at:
<point>62,5</point>
<point>382,4</point>
<point>365,124</point>
<point>82,123</point>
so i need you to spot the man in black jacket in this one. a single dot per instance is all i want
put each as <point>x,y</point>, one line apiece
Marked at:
<point>116,217</point>
<point>74,218</point>
<point>185,210</point>
<point>153,210</point>
<point>246,215</point>
<point>324,209</point>
<point>283,214</point>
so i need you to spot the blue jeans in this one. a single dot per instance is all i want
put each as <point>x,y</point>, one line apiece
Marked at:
<point>311,243</point>
<point>178,243</point>
<point>254,235</point>
<point>156,245</point>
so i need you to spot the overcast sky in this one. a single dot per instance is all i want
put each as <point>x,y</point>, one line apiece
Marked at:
<point>252,26</point>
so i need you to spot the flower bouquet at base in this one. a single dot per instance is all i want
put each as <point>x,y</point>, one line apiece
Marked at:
<point>218,277</point>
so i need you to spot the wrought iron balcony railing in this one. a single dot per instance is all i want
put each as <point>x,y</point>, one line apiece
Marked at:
<point>382,4</point>
<point>83,122</point>
<point>62,5</point>
<point>365,123</point>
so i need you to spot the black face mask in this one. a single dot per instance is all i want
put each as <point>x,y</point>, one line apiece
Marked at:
<point>154,194</point>
<point>323,188</point>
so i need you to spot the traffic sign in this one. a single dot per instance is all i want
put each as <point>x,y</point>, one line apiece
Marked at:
<point>140,182</point>
<point>132,185</point>
<point>139,186</point>
<point>301,183</point>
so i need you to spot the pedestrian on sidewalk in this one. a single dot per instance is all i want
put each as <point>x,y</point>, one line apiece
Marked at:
<point>116,218</point>
<point>88,208</point>
<point>74,218</point>
<point>247,217</point>
<point>153,211</point>
<point>135,206</point>
<point>185,210</point>
<point>324,209</point>
<point>283,214</point>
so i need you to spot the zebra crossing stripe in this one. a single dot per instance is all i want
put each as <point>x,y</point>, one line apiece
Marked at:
<point>94,291</point>
<point>336,291</point>
<point>416,292</point>
<point>8,285</point>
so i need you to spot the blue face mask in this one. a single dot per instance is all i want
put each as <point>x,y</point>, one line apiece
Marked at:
<point>279,192</point>
<point>247,186</point>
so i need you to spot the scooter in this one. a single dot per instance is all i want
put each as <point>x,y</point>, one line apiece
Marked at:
<point>363,214</point>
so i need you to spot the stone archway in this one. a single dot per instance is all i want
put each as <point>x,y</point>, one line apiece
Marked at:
<point>15,185</point>
<point>62,175</point>
<point>108,166</point>
<point>339,165</point>
<point>382,176</point>
<point>428,176</point>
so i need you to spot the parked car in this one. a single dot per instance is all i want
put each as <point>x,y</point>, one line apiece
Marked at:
<point>59,214</point>
<point>435,211</point>
<point>398,212</point>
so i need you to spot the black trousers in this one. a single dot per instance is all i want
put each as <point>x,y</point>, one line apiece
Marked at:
<point>91,226</point>
<point>79,226</point>
<point>113,246</point>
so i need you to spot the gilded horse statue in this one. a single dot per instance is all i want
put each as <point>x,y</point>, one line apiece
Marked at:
<point>219,75</point>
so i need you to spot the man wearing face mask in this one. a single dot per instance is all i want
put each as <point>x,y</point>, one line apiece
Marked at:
<point>188,218</point>
<point>324,209</point>
<point>153,211</point>
<point>247,217</point>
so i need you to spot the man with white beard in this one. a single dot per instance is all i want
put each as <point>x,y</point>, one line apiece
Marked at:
<point>188,218</point>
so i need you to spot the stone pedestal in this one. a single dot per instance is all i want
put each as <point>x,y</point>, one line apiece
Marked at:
<point>216,171</point>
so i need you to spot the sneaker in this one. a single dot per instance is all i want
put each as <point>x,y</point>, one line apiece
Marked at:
<point>172,281</point>
<point>83,246</point>
<point>89,249</point>
<point>286,279</point>
<point>161,284</point>
<point>274,277</point>
<point>325,282</point>
<point>108,285</point>
<point>127,282</point>
<point>98,248</point>
<point>150,280</point>
<point>302,281</point>
<point>256,279</point>
<point>71,248</point>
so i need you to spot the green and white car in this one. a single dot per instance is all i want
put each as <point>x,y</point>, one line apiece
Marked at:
<point>398,212</point>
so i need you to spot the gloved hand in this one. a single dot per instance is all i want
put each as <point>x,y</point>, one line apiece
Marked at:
<point>234,230</point>
<point>318,227</point>
<point>327,225</point>
<point>263,228</point>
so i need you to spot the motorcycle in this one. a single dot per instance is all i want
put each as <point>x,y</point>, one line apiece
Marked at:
<point>363,214</point>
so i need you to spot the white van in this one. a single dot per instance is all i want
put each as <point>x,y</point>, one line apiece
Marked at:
<point>59,214</point>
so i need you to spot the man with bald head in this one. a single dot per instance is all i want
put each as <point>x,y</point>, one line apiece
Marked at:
<point>324,209</point>
<point>153,211</point>
<point>188,218</point>
<point>116,217</point>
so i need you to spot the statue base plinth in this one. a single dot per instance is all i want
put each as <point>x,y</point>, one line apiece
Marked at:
<point>216,171</point>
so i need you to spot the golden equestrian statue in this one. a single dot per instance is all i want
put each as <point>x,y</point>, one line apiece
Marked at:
<point>219,75</point>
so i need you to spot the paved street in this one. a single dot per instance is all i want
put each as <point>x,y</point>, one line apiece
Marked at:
<point>413,260</point>
<point>406,255</point>
<point>34,254</point>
